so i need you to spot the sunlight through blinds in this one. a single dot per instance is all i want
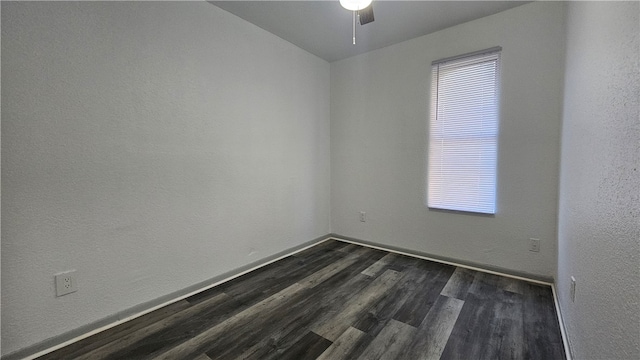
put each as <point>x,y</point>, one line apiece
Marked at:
<point>463,133</point>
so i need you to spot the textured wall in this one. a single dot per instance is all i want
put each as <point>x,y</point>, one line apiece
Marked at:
<point>599,206</point>
<point>379,114</point>
<point>150,146</point>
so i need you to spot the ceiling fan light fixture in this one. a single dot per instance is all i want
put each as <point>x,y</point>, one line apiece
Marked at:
<point>355,5</point>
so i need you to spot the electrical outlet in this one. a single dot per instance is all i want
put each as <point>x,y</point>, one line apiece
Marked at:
<point>66,283</point>
<point>534,245</point>
<point>573,289</point>
<point>363,216</point>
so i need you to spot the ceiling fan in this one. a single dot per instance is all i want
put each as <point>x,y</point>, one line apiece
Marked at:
<point>362,9</point>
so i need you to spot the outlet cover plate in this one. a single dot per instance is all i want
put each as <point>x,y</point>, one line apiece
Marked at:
<point>66,283</point>
<point>534,245</point>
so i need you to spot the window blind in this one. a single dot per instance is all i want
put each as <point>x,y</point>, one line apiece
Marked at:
<point>463,133</point>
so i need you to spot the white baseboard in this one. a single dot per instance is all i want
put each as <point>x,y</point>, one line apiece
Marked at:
<point>19,354</point>
<point>563,329</point>
<point>565,340</point>
<point>438,260</point>
<point>58,342</point>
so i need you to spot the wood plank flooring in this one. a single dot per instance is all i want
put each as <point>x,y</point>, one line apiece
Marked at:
<point>343,301</point>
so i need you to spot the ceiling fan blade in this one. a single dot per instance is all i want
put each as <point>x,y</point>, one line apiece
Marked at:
<point>366,15</point>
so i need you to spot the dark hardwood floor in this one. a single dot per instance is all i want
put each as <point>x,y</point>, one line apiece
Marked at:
<point>342,301</point>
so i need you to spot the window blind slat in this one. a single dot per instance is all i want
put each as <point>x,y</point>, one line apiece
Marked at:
<point>463,133</point>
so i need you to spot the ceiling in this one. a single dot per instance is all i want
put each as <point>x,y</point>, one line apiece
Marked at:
<point>324,28</point>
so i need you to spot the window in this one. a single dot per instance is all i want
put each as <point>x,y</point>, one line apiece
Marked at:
<point>463,132</point>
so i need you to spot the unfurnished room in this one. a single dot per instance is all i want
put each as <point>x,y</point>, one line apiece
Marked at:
<point>339,179</point>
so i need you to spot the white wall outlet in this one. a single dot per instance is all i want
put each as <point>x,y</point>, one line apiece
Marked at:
<point>66,283</point>
<point>363,216</point>
<point>572,291</point>
<point>534,245</point>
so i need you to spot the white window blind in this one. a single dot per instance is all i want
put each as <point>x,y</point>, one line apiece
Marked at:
<point>463,133</point>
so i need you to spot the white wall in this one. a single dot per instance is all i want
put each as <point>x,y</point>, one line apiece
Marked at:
<point>149,146</point>
<point>599,206</point>
<point>379,112</point>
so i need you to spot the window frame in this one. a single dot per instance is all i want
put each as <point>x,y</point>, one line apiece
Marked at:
<point>438,190</point>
